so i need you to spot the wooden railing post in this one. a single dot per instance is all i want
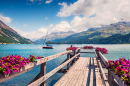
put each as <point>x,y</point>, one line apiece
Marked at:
<point>68,57</point>
<point>110,78</point>
<point>97,54</point>
<point>74,58</point>
<point>79,54</point>
<point>43,72</point>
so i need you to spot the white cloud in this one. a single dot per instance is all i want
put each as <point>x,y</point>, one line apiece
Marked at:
<point>5,19</point>
<point>46,18</point>
<point>31,0</point>
<point>34,35</point>
<point>105,11</point>
<point>63,26</point>
<point>48,1</point>
<point>25,25</point>
<point>13,28</point>
<point>35,1</point>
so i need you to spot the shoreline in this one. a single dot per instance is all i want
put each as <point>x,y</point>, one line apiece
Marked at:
<point>72,44</point>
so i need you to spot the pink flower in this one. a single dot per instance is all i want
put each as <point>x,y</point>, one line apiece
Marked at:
<point>38,57</point>
<point>103,50</point>
<point>72,48</point>
<point>5,72</point>
<point>15,70</point>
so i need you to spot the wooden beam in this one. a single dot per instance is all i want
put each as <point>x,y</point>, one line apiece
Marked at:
<point>40,61</point>
<point>2,78</point>
<point>43,72</point>
<point>45,77</point>
<point>31,65</point>
<point>112,76</point>
<point>74,58</point>
<point>105,80</point>
<point>88,52</point>
<point>62,71</point>
<point>103,58</point>
<point>68,57</point>
<point>37,77</point>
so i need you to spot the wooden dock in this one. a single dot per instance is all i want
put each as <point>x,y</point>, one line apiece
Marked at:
<point>84,72</point>
<point>81,71</point>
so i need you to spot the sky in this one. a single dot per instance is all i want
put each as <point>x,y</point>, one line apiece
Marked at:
<point>32,18</point>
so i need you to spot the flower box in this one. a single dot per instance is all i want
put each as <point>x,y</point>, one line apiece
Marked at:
<point>11,64</point>
<point>72,48</point>
<point>88,47</point>
<point>121,68</point>
<point>102,50</point>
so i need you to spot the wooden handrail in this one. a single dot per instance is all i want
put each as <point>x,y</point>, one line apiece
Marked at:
<point>114,76</point>
<point>42,76</point>
<point>103,59</point>
<point>2,78</point>
<point>111,75</point>
<point>105,80</point>
<point>45,77</point>
<point>31,65</point>
<point>88,52</point>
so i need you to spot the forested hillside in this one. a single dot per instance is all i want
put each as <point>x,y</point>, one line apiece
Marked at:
<point>8,35</point>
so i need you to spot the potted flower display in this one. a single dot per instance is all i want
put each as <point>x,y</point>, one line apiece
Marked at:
<point>10,64</point>
<point>102,50</point>
<point>73,49</point>
<point>88,47</point>
<point>121,68</point>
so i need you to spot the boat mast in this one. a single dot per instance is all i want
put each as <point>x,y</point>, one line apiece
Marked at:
<point>45,38</point>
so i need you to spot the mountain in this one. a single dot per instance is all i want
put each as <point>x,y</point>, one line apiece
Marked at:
<point>114,39</point>
<point>55,35</point>
<point>122,28</point>
<point>8,35</point>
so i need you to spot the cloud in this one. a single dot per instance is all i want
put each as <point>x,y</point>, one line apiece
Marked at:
<point>5,19</point>
<point>95,13</point>
<point>34,35</point>
<point>48,1</point>
<point>62,26</point>
<point>39,2</point>
<point>25,25</point>
<point>31,0</point>
<point>46,18</point>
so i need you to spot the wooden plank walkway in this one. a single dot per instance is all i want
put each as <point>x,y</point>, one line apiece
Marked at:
<point>84,72</point>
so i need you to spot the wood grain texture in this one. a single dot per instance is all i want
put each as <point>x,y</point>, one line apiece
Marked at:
<point>31,65</point>
<point>103,58</point>
<point>14,75</point>
<point>45,77</point>
<point>78,74</point>
<point>105,80</point>
<point>99,81</point>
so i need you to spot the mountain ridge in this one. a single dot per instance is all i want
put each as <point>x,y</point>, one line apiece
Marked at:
<point>2,25</point>
<point>122,28</point>
<point>55,35</point>
<point>8,35</point>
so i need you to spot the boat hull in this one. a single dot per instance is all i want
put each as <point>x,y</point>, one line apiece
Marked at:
<point>47,47</point>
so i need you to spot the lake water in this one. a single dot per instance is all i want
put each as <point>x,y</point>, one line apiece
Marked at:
<point>25,50</point>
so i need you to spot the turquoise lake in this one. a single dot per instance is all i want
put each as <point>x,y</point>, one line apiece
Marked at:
<point>25,50</point>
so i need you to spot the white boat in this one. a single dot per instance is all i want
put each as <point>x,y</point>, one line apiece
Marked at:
<point>45,46</point>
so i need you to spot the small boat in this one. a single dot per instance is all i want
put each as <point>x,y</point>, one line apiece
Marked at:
<point>45,45</point>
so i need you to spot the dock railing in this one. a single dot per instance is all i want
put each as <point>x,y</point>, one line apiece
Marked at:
<point>113,79</point>
<point>72,56</point>
<point>40,79</point>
